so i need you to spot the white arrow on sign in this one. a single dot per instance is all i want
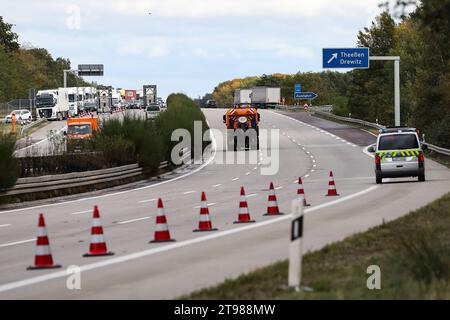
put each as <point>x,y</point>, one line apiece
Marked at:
<point>333,56</point>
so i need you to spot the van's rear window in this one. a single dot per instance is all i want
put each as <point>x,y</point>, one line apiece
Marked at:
<point>398,142</point>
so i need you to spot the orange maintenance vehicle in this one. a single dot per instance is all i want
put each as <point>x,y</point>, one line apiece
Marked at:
<point>79,130</point>
<point>242,123</point>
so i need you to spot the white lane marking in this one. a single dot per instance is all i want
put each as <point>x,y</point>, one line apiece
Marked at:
<point>4,225</point>
<point>209,205</point>
<point>217,185</point>
<point>375,135</point>
<point>251,195</point>
<point>133,220</point>
<point>306,175</point>
<point>255,168</point>
<point>214,147</point>
<point>16,242</point>
<point>80,212</point>
<point>148,200</point>
<point>314,165</point>
<point>278,188</point>
<point>372,155</point>
<point>141,254</point>
<point>189,192</point>
<point>234,179</point>
<point>247,173</point>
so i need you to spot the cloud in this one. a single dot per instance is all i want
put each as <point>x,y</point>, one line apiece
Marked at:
<point>237,8</point>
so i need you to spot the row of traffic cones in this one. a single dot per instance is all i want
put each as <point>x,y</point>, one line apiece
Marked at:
<point>44,260</point>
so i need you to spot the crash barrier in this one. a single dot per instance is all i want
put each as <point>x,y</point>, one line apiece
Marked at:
<point>432,147</point>
<point>71,180</point>
<point>347,119</point>
<point>24,129</point>
<point>438,149</point>
<point>98,246</point>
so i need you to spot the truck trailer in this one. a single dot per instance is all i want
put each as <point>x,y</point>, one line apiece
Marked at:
<point>264,97</point>
<point>242,96</point>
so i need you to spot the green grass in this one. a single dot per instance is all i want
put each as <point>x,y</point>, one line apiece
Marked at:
<point>413,253</point>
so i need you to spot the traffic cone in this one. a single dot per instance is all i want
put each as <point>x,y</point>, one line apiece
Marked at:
<point>43,258</point>
<point>162,233</point>
<point>331,186</point>
<point>272,207</point>
<point>244,215</point>
<point>98,244</point>
<point>301,192</point>
<point>204,224</point>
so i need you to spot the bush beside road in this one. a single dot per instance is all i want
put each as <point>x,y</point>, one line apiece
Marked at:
<point>413,253</point>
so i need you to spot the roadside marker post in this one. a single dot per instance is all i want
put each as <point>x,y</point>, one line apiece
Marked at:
<point>296,249</point>
<point>295,246</point>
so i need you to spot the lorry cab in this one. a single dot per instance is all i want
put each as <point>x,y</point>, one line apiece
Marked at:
<point>78,131</point>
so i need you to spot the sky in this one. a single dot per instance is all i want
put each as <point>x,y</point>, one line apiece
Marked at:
<point>189,46</point>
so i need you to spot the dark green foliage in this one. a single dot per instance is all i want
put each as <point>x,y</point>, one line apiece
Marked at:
<point>148,142</point>
<point>8,164</point>
<point>25,68</point>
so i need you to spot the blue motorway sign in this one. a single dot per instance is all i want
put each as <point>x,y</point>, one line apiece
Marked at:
<point>298,87</point>
<point>305,95</point>
<point>352,58</point>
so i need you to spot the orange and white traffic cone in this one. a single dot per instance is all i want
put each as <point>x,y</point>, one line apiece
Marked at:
<point>331,186</point>
<point>98,244</point>
<point>204,224</point>
<point>43,258</point>
<point>244,215</point>
<point>272,207</point>
<point>301,192</point>
<point>162,233</point>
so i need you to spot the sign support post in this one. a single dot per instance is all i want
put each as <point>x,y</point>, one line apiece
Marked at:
<point>396,60</point>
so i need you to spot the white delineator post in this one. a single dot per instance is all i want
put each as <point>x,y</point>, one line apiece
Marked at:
<point>396,60</point>
<point>295,247</point>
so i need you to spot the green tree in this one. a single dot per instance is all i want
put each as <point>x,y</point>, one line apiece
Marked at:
<point>8,39</point>
<point>371,93</point>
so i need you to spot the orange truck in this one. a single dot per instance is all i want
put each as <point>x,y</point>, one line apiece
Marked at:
<point>79,130</point>
<point>242,122</point>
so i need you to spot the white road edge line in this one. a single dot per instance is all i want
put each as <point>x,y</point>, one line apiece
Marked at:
<point>137,255</point>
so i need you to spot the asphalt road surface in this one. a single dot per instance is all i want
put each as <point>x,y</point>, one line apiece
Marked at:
<point>140,270</point>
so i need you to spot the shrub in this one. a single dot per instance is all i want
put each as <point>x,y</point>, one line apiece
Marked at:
<point>148,142</point>
<point>439,132</point>
<point>8,164</point>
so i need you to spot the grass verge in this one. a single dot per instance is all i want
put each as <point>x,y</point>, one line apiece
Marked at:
<point>413,253</point>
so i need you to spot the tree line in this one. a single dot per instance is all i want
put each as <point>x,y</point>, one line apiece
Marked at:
<point>22,68</point>
<point>421,39</point>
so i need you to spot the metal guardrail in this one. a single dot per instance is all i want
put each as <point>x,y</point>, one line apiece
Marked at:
<point>357,121</point>
<point>438,149</point>
<point>31,125</point>
<point>70,180</point>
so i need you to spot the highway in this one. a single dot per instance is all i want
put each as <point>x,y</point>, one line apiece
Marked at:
<point>140,270</point>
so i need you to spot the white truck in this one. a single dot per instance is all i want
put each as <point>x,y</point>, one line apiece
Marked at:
<point>72,94</point>
<point>242,96</point>
<point>52,104</point>
<point>264,97</point>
